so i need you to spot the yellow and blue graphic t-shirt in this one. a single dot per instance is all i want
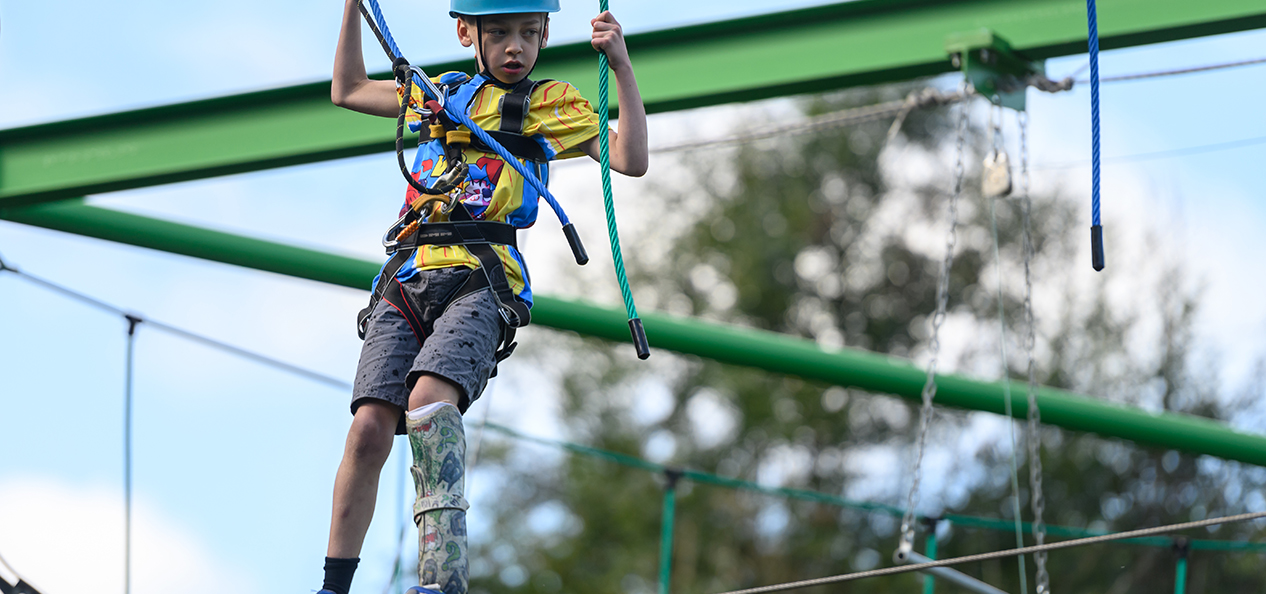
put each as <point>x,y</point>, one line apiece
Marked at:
<point>559,119</point>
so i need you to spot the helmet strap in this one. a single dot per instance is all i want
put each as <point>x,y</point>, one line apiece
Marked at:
<point>483,61</point>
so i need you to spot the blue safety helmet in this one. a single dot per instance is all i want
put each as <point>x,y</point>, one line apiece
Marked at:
<point>487,7</point>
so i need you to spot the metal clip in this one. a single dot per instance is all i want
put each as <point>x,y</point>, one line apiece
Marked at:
<point>429,86</point>
<point>455,175</point>
<point>389,241</point>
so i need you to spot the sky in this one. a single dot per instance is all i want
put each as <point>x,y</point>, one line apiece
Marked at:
<point>234,461</point>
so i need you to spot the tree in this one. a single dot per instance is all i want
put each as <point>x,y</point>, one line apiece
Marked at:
<point>837,236</point>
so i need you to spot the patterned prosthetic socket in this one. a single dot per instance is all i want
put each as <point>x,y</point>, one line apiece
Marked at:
<point>439,467</point>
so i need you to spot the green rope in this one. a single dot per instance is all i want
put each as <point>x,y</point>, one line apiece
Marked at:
<point>818,497</point>
<point>608,201</point>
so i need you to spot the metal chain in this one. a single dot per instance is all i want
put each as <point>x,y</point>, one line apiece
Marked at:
<point>934,345</point>
<point>1034,436</point>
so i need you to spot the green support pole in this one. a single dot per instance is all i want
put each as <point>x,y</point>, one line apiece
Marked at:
<point>779,353</point>
<point>666,530</point>
<point>929,549</point>
<point>1181,546</point>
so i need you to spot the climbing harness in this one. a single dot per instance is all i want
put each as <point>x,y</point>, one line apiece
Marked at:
<point>453,128</point>
<point>414,229</point>
<point>906,545</point>
<point>1096,227</point>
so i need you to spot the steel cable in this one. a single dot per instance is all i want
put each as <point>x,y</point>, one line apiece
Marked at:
<point>999,554</point>
<point>253,356</point>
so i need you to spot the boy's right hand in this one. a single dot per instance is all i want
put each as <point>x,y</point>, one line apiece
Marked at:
<point>608,37</point>
<point>351,87</point>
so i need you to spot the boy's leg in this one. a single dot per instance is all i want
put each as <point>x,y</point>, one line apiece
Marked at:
<point>438,441</point>
<point>356,484</point>
<point>379,399</point>
<point>450,372</point>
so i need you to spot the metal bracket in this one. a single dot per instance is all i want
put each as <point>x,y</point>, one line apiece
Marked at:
<point>954,576</point>
<point>997,71</point>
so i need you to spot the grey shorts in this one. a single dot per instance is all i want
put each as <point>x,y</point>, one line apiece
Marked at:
<point>459,341</point>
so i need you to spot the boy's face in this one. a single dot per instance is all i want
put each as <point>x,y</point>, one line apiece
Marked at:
<point>511,43</point>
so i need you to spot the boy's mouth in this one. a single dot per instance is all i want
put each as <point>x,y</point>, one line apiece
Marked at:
<point>512,67</point>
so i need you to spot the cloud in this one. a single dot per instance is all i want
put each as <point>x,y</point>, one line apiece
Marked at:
<point>63,537</point>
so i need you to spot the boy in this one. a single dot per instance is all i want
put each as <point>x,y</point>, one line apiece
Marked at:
<point>419,380</point>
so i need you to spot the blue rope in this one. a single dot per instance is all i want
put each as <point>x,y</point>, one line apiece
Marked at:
<point>1094,112</point>
<point>382,28</point>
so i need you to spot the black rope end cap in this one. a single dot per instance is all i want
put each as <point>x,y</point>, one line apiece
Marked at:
<point>400,68</point>
<point>1096,247</point>
<point>577,248</point>
<point>639,339</point>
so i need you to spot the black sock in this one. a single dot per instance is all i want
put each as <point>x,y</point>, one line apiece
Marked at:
<point>338,574</point>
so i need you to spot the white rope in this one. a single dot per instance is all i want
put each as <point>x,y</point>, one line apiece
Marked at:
<point>1160,73</point>
<point>892,109</point>
<point>1000,554</point>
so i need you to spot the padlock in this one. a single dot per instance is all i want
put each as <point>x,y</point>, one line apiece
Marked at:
<point>996,179</point>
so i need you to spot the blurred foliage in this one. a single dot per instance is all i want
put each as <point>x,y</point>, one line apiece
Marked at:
<point>837,236</point>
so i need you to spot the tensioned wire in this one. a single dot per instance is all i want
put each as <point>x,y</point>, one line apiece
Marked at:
<point>633,461</point>
<point>995,132</point>
<point>998,554</point>
<point>867,506</point>
<point>921,99</point>
<point>646,465</point>
<point>186,334</point>
<point>127,452</point>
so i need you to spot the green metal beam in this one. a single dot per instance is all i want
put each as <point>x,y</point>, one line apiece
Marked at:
<point>813,49</point>
<point>728,344</point>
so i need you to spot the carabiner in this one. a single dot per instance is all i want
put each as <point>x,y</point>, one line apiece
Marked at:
<point>430,87</point>
<point>390,240</point>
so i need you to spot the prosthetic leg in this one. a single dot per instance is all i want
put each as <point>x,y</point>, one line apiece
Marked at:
<point>438,442</point>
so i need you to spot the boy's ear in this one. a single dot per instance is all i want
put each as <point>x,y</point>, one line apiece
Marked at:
<point>465,32</point>
<point>545,32</point>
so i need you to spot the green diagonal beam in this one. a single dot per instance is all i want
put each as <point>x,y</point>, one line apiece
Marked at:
<point>728,344</point>
<point>814,49</point>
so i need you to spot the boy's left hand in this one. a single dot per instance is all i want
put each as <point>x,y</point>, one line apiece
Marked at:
<point>608,38</point>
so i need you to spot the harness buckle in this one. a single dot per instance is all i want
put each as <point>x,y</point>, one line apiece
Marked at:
<point>507,314</point>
